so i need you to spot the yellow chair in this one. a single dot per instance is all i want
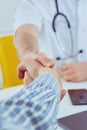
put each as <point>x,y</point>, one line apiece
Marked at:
<point>9,62</point>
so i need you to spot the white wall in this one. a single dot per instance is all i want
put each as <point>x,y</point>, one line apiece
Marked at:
<point>7,10</point>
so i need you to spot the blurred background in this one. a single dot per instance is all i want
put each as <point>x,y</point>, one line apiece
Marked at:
<point>7,11</point>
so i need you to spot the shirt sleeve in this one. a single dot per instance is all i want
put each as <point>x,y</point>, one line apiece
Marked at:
<point>27,13</point>
<point>34,107</point>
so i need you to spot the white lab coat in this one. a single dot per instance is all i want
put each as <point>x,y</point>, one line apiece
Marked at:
<point>82,35</point>
<point>41,13</point>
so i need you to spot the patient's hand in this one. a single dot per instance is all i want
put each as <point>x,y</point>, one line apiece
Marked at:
<point>40,58</point>
<point>75,72</point>
<point>34,69</point>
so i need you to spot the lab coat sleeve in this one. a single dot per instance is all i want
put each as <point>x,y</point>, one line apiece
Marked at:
<point>27,13</point>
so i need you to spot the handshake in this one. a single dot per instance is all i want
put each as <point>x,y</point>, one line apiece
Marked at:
<point>34,65</point>
<point>36,105</point>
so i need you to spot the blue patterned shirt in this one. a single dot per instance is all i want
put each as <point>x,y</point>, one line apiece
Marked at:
<point>35,107</point>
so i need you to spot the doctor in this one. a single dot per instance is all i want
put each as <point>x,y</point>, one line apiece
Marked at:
<point>47,32</point>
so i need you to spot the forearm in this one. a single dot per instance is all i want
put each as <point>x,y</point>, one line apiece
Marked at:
<point>26,40</point>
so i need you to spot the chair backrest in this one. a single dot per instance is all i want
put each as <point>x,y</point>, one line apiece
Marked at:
<point>9,61</point>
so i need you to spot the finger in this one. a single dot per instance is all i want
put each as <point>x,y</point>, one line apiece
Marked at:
<point>68,77</point>
<point>27,79</point>
<point>62,94</point>
<point>65,72</point>
<point>20,71</point>
<point>66,67</point>
<point>44,60</point>
<point>75,79</point>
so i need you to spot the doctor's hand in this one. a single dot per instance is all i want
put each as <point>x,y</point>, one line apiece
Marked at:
<point>40,58</point>
<point>34,69</point>
<point>75,72</point>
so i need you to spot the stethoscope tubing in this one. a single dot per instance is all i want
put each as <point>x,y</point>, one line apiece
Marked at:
<point>69,27</point>
<point>57,14</point>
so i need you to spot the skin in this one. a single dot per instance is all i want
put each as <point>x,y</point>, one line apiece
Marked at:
<point>35,69</point>
<point>26,40</point>
<point>76,72</point>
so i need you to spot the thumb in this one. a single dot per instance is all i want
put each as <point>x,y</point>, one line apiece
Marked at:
<point>44,60</point>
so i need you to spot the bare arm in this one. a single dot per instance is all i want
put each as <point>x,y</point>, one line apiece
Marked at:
<point>26,40</point>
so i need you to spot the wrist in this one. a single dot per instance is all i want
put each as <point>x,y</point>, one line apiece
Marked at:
<point>28,53</point>
<point>52,71</point>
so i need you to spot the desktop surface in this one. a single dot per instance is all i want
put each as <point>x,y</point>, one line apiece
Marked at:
<point>74,122</point>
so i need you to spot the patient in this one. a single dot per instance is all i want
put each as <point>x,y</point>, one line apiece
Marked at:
<point>35,107</point>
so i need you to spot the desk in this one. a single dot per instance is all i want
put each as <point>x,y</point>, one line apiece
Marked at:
<point>66,107</point>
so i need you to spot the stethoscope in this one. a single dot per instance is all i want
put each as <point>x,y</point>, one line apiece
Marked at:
<point>69,27</point>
